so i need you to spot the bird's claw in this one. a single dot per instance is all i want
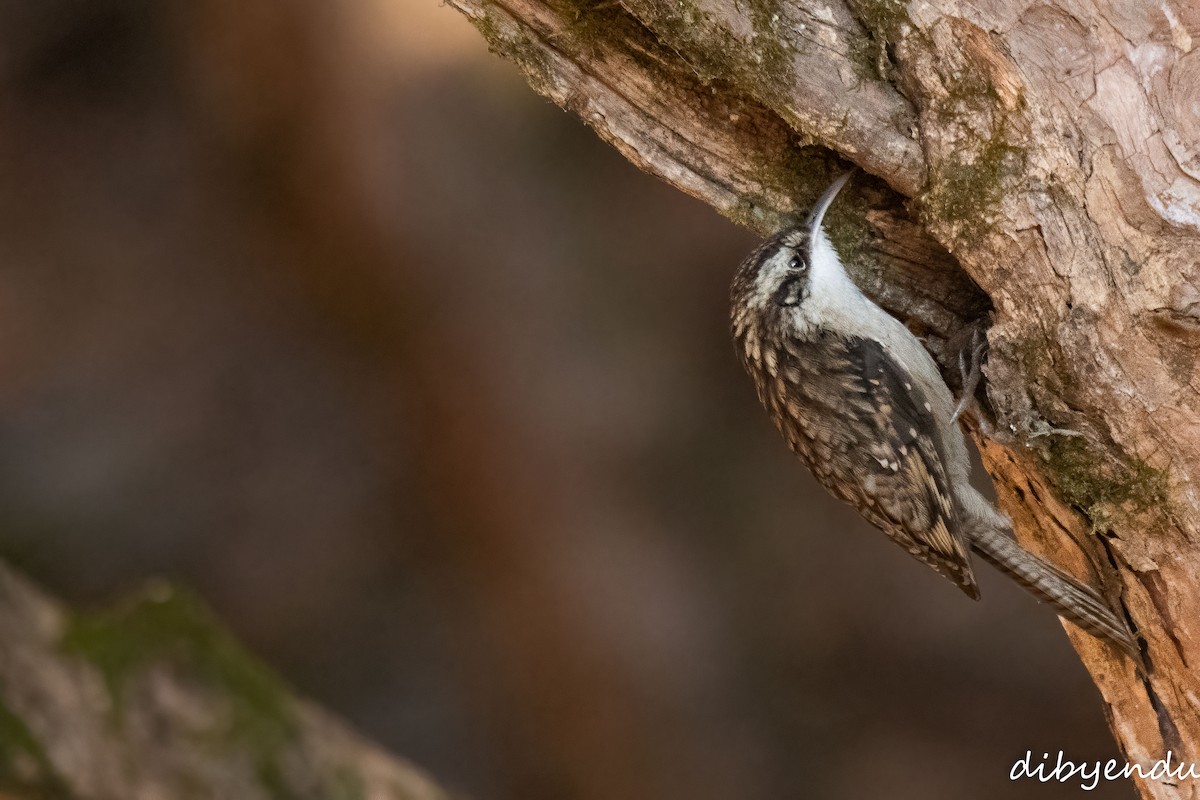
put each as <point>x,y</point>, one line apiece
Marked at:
<point>971,372</point>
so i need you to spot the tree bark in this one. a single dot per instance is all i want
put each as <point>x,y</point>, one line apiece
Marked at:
<point>154,699</point>
<point>1034,165</point>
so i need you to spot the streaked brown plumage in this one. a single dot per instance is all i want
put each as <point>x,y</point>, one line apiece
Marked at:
<point>847,416</point>
<point>859,400</point>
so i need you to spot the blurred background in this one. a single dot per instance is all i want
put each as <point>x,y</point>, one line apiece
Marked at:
<point>315,307</point>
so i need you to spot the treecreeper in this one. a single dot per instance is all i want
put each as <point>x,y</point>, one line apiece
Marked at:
<point>863,404</point>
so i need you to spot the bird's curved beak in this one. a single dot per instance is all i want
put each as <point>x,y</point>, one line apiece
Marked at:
<point>818,212</point>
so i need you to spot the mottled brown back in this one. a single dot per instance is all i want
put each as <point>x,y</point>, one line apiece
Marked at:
<point>867,435</point>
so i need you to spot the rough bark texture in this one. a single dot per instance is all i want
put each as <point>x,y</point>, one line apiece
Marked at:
<point>153,699</point>
<point>1050,147</point>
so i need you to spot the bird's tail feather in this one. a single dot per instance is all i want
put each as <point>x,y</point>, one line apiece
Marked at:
<point>1070,598</point>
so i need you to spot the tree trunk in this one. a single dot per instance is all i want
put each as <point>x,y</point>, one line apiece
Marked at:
<point>1048,153</point>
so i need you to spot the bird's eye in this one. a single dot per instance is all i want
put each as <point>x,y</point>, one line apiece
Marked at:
<point>795,263</point>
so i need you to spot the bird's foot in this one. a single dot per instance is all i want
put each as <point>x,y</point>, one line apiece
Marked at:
<point>972,372</point>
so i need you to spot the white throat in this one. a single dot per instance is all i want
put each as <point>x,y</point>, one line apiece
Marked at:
<point>829,278</point>
<point>834,300</point>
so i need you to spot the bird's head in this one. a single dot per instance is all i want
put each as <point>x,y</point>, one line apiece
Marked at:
<point>793,265</point>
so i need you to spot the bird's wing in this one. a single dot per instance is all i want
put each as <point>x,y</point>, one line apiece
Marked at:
<point>869,437</point>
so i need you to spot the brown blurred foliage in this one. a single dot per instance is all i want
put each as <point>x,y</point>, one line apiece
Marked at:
<point>317,308</point>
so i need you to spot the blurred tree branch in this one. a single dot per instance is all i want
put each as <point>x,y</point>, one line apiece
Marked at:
<point>1046,149</point>
<point>154,699</point>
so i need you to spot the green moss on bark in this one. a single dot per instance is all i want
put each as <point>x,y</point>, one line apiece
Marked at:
<point>346,785</point>
<point>884,22</point>
<point>516,46</point>
<point>170,628</point>
<point>1101,487</point>
<point>967,188</point>
<point>770,58</point>
<point>883,18</point>
<point>967,193</point>
<point>25,769</point>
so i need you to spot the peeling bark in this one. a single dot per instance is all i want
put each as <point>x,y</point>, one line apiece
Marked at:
<point>1050,148</point>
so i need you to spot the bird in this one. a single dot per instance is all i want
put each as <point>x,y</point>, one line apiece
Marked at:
<point>862,403</point>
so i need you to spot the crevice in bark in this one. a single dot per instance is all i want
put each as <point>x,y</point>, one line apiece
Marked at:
<point>1152,580</point>
<point>1167,729</point>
